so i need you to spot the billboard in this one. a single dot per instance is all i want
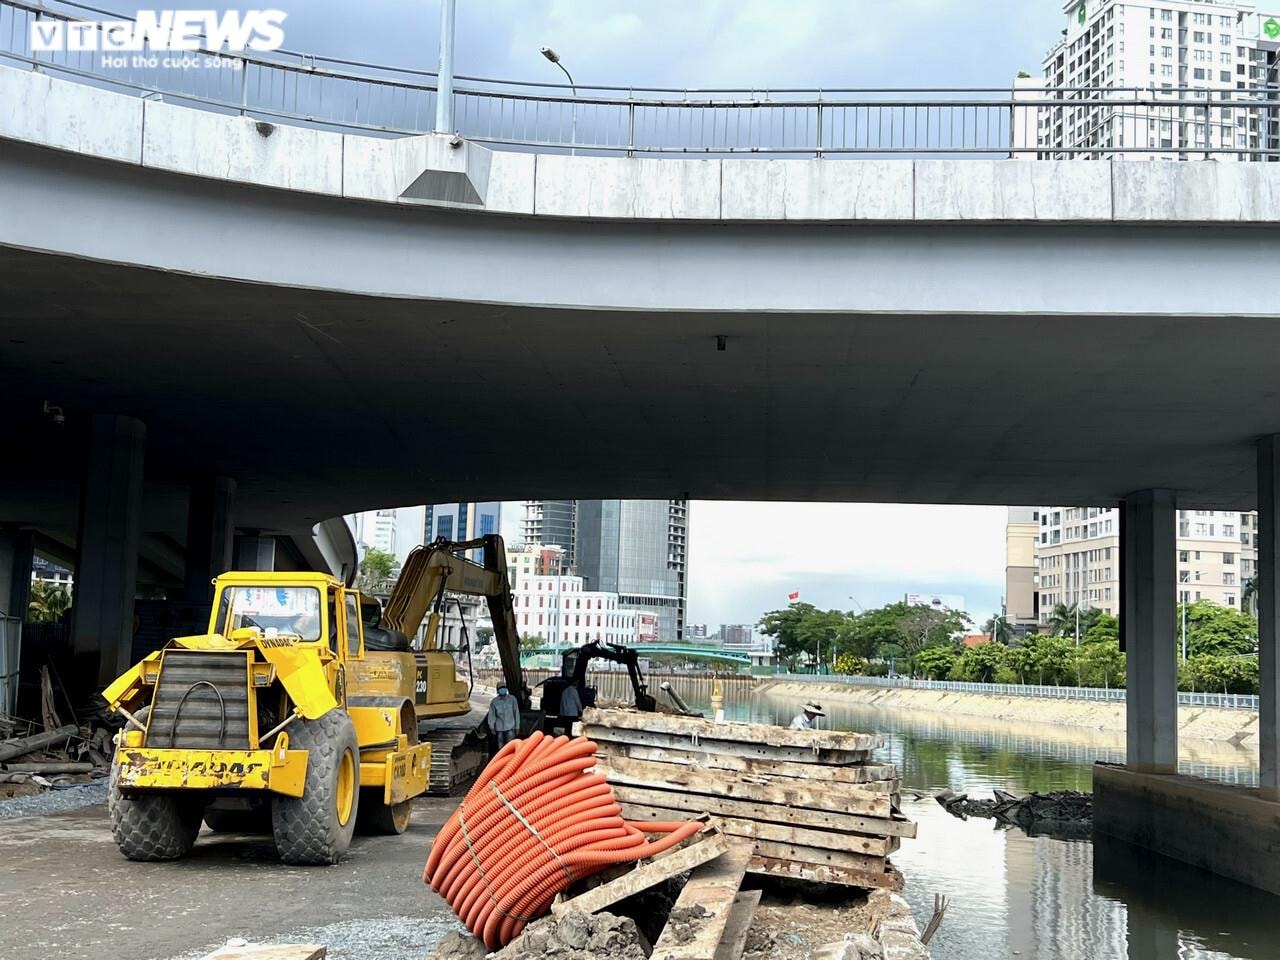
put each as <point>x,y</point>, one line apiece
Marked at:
<point>938,601</point>
<point>646,628</point>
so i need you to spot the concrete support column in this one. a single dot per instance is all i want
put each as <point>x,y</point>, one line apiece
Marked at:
<point>210,535</point>
<point>1149,592</point>
<point>107,568</point>
<point>17,552</point>
<point>255,553</point>
<point>1268,617</point>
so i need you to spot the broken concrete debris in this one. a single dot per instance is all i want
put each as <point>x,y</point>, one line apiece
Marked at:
<point>579,936</point>
<point>1066,814</point>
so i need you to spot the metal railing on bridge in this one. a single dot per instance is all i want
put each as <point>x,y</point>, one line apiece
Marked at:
<point>1024,122</point>
<point>1229,701</point>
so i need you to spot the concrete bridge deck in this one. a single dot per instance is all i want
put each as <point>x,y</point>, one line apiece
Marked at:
<point>338,321</point>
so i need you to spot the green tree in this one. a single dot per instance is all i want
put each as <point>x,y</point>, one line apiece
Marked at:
<point>999,630</point>
<point>869,633</point>
<point>1249,597</point>
<point>1217,631</point>
<point>1062,619</point>
<point>1101,663</point>
<point>851,665</point>
<point>922,627</point>
<point>483,636</point>
<point>375,571</point>
<point>935,663</point>
<point>48,602</point>
<point>532,641</point>
<point>789,638</point>
<point>981,664</point>
<point>1219,674</point>
<point>1020,662</point>
<point>1065,616</point>
<point>1105,629</point>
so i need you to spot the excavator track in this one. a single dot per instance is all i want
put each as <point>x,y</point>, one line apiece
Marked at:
<point>457,757</point>
<point>459,748</point>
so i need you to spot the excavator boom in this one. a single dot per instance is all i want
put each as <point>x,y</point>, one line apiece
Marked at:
<point>434,568</point>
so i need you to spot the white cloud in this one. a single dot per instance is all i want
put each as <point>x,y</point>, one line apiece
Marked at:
<point>746,557</point>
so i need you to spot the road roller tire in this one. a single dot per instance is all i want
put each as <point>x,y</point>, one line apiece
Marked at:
<point>152,826</point>
<point>316,828</point>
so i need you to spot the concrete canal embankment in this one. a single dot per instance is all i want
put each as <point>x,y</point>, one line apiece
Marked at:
<point>1237,727</point>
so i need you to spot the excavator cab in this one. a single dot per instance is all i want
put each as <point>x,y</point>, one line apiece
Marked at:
<point>573,673</point>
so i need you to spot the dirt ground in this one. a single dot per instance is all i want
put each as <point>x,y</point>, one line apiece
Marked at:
<point>67,892</point>
<point>794,919</point>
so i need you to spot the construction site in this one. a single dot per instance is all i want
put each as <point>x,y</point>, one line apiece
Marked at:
<point>319,746</point>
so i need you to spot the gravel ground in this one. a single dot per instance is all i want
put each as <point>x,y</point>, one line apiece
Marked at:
<point>57,800</point>
<point>374,938</point>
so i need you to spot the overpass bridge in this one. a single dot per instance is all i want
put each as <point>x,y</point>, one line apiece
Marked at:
<point>229,315</point>
<point>694,651</point>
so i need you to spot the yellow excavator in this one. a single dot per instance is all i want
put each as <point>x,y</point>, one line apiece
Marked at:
<point>428,576</point>
<point>299,710</point>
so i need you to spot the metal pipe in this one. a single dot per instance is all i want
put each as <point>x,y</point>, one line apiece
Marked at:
<point>444,82</point>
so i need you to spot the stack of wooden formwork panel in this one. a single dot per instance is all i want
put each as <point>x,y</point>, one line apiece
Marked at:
<point>812,802</point>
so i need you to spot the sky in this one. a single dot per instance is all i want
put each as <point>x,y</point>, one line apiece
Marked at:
<point>686,43</point>
<point>745,557</point>
<point>762,43</point>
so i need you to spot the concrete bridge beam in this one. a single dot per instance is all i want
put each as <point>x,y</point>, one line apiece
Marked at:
<point>109,531</point>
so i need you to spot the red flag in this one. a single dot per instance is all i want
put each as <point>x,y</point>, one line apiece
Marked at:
<point>794,596</point>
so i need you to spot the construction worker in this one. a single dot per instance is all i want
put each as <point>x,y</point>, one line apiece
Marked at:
<point>504,716</point>
<point>804,719</point>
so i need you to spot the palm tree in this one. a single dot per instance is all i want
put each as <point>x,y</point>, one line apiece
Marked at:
<point>1062,620</point>
<point>48,602</point>
<point>999,630</point>
<point>1249,596</point>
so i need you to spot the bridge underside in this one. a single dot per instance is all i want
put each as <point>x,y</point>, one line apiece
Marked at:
<point>320,403</point>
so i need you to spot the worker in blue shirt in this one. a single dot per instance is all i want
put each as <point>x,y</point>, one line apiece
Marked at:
<point>504,716</point>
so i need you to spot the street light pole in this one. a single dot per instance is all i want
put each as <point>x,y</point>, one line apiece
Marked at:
<point>573,122</point>
<point>1184,633</point>
<point>444,80</point>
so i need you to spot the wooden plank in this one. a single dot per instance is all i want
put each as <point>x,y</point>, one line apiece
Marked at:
<point>743,911</point>
<point>872,777</point>
<point>818,855</point>
<point>741,786</point>
<point>713,887</point>
<point>650,738</point>
<point>888,879</point>
<point>278,951</point>
<point>757,733</point>
<point>879,847</point>
<point>708,846</point>
<point>769,812</point>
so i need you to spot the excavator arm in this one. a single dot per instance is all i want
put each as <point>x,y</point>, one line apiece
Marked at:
<point>618,654</point>
<point>434,568</point>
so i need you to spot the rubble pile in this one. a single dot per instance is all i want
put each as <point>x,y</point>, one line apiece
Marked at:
<point>61,756</point>
<point>579,936</point>
<point>1067,814</point>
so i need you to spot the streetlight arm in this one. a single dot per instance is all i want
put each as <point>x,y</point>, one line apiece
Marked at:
<point>572,86</point>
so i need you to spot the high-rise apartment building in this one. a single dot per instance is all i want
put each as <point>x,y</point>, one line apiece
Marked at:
<point>553,523</point>
<point>1193,54</point>
<point>462,521</point>
<point>1021,598</point>
<point>638,550</point>
<point>1078,557</point>
<point>374,529</point>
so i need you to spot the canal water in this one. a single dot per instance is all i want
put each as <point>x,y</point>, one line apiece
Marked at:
<point>1012,895</point>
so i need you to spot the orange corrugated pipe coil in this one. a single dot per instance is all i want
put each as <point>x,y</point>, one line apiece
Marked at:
<point>534,823</point>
